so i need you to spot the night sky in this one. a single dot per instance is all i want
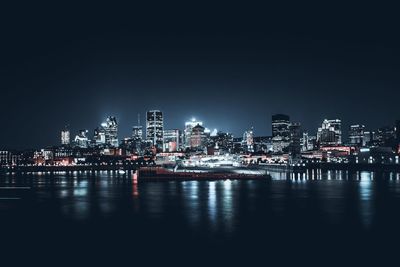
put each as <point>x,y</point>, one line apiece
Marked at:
<point>230,65</point>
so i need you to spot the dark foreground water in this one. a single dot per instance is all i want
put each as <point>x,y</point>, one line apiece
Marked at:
<point>319,218</point>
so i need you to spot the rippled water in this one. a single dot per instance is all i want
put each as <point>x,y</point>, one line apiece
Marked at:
<point>354,215</point>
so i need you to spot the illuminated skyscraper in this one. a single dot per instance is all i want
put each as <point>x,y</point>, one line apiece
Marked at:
<point>65,136</point>
<point>81,139</point>
<point>330,133</point>
<point>280,125</point>
<point>198,137</point>
<point>280,132</point>
<point>171,140</point>
<point>137,132</point>
<point>155,128</point>
<point>189,125</point>
<point>356,135</point>
<point>248,140</point>
<point>99,136</point>
<point>111,131</point>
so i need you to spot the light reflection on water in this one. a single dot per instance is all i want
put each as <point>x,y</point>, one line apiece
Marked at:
<point>335,197</point>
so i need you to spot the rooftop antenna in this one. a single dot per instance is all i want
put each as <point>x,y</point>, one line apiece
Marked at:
<point>138,119</point>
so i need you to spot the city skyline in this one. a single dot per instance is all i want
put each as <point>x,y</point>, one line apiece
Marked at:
<point>229,133</point>
<point>125,130</point>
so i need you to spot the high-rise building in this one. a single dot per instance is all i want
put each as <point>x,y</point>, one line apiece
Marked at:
<point>369,138</point>
<point>155,128</point>
<point>248,140</point>
<point>330,133</point>
<point>308,142</point>
<point>81,139</point>
<point>110,127</point>
<point>280,125</point>
<point>65,136</point>
<point>280,132</point>
<point>137,132</point>
<point>99,136</point>
<point>385,136</point>
<point>198,137</point>
<point>295,142</point>
<point>171,140</point>
<point>188,130</point>
<point>356,135</point>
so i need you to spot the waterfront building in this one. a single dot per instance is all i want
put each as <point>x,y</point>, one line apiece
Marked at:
<point>171,140</point>
<point>10,157</point>
<point>386,136</point>
<point>279,144</point>
<point>356,135</point>
<point>65,136</point>
<point>330,133</point>
<point>263,144</point>
<point>369,138</point>
<point>155,128</point>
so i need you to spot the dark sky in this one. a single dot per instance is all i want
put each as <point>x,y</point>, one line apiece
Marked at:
<point>230,65</point>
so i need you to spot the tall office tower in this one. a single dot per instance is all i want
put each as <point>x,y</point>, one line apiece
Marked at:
<point>280,132</point>
<point>154,128</point>
<point>110,127</point>
<point>330,133</point>
<point>295,142</point>
<point>81,139</point>
<point>99,136</point>
<point>304,142</point>
<point>356,135</point>
<point>248,140</point>
<point>171,140</point>
<point>189,125</point>
<point>280,125</point>
<point>65,136</point>
<point>385,136</point>
<point>198,137</point>
<point>137,130</point>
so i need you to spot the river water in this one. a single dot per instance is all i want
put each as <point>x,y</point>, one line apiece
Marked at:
<point>317,218</point>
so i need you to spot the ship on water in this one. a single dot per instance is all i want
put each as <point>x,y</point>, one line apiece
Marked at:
<point>216,164</point>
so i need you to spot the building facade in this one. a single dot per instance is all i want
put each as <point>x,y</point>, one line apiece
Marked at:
<point>280,132</point>
<point>155,128</point>
<point>65,137</point>
<point>111,131</point>
<point>356,135</point>
<point>171,140</point>
<point>330,133</point>
<point>248,141</point>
